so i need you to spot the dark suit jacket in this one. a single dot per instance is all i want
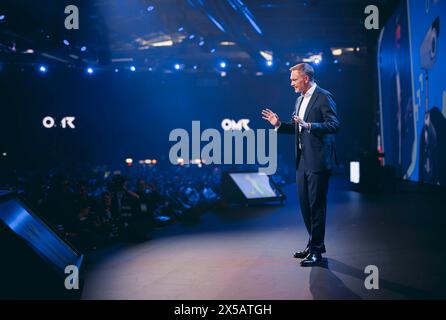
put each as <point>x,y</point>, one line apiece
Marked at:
<point>318,144</point>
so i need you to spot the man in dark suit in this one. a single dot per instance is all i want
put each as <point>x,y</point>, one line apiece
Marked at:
<point>314,124</point>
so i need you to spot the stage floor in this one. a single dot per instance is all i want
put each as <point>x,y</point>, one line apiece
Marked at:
<point>246,253</point>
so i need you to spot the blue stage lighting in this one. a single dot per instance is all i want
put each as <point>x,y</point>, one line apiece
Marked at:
<point>150,8</point>
<point>90,70</point>
<point>42,69</point>
<point>132,68</point>
<point>317,61</point>
<point>84,48</point>
<point>223,64</point>
<point>177,66</point>
<point>269,63</point>
<point>66,42</point>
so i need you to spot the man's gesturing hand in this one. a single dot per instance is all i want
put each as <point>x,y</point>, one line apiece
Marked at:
<point>271,117</point>
<point>303,124</point>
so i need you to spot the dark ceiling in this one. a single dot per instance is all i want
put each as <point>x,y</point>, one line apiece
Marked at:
<point>154,34</point>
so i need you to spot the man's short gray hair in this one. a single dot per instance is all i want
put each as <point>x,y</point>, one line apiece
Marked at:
<point>305,68</point>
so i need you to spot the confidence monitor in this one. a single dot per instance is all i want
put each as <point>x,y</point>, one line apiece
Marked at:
<point>34,257</point>
<point>250,187</point>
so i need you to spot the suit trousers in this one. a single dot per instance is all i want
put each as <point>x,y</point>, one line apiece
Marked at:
<point>312,189</point>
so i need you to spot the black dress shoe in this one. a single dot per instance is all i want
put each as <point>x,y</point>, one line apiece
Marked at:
<point>313,259</point>
<point>301,254</point>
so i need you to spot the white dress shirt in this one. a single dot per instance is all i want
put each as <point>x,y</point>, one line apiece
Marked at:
<point>304,104</point>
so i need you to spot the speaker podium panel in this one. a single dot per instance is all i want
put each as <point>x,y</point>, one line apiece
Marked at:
<point>34,256</point>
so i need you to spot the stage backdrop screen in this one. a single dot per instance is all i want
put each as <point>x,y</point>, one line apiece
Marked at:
<point>412,70</point>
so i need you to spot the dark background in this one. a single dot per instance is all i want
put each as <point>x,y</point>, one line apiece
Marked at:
<point>121,115</point>
<point>130,114</point>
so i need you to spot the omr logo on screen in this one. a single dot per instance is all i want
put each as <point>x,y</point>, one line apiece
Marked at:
<point>66,122</point>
